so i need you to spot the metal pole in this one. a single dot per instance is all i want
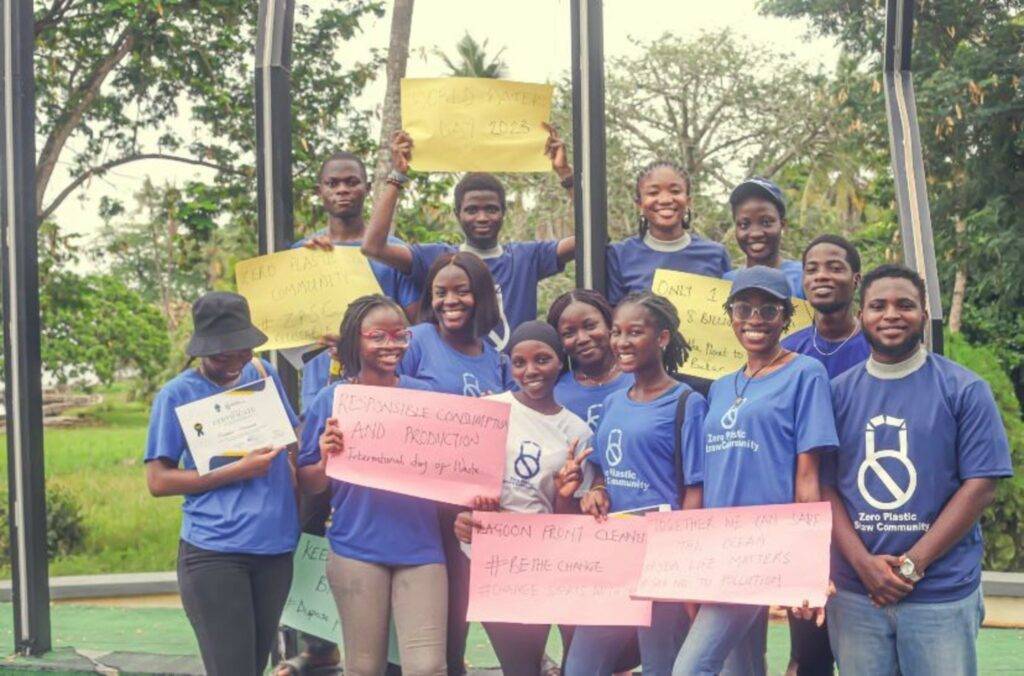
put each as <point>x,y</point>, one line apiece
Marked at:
<point>23,396</point>
<point>907,164</point>
<point>274,143</point>
<point>590,197</point>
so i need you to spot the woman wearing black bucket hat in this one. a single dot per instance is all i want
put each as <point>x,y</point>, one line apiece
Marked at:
<point>239,525</point>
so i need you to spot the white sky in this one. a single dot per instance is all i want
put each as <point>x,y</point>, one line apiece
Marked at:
<point>536,37</point>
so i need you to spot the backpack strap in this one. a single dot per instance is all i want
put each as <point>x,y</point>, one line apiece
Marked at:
<point>679,420</point>
<point>257,363</point>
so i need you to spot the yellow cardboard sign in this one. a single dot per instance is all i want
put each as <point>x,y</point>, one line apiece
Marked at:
<point>714,350</point>
<point>476,124</point>
<point>299,295</point>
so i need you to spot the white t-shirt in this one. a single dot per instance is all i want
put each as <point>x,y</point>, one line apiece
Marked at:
<point>537,447</point>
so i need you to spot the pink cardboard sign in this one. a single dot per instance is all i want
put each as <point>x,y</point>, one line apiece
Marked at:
<point>556,569</point>
<point>767,555</point>
<point>436,446</point>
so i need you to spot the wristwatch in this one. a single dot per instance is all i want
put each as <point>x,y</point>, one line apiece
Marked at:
<point>397,178</point>
<point>909,570</point>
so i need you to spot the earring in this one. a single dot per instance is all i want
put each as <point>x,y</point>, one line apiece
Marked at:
<point>568,362</point>
<point>642,223</point>
<point>688,219</point>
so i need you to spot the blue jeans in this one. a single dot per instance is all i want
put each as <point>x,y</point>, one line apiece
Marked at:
<point>725,639</point>
<point>594,650</point>
<point>906,638</point>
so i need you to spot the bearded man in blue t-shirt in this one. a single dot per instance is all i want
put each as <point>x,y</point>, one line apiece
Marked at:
<point>921,445</point>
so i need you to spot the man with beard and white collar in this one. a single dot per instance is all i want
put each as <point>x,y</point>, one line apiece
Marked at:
<point>831,273</point>
<point>921,445</point>
<point>517,267</point>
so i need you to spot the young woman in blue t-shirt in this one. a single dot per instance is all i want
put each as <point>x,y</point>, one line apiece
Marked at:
<point>386,556</point>
<point>583,320</point>
<point>450,354</point>
<point>239,526</point>
<point>636,448</point>
<point>766,425</point>
<point>664,239</point>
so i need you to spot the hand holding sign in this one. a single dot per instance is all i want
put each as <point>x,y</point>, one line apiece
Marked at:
<point>476,124</point>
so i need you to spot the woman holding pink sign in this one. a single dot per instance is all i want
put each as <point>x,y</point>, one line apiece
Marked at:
<point>386,557</point>
<point>649,450</point>
<point>542,437</point>
<point>450,353</point>
<point>766,426</point>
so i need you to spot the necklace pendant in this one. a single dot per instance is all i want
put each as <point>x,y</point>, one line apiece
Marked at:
<point>739,400</point>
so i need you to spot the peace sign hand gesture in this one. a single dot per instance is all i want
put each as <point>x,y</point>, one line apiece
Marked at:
<point>569,478</point>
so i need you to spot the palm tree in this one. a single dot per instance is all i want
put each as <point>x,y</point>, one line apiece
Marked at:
<point>473,60</point>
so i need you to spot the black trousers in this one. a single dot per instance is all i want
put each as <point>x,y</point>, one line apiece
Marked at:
<point>809,647</point>
<point>234,603</point>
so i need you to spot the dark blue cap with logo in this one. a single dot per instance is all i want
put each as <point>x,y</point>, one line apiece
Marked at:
<point>770,280</point>
<point>758,187</point>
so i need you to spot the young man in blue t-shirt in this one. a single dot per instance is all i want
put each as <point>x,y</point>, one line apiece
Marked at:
<point>759,216</point>
<point>831,273</point>
<point>921,445</point>
<point>517,267</point>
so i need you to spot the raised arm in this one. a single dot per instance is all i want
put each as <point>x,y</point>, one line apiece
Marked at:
<point>554,148</point>
<point>375,240</point>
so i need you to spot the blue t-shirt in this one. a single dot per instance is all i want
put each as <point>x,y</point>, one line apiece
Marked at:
<point>635,448</point>
<point>315,375</point>
<point>751,448</point>
<point>447,370</point>
<point>253,516</point>
<point>837,358</point>
<point>905,447</point>
<point>631,263</point>
<point>516,273</point>
<point>369,524</point>
<point>794,272</point>
<point>393,283</point>
<point>587,401</point>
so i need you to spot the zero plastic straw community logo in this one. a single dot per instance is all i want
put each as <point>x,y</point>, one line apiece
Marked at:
<point>613,450</point>
<point>470,385</point>
<point>896,493</point>
<point>594,416</point>
<point>527,463</point>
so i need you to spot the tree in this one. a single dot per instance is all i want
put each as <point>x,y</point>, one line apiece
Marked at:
<point>391,111</point>
<point>473,60</point>
<point>110,76</point>
<point>967,63</point>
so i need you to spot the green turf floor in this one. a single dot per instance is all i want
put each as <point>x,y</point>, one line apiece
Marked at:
<point>166,631</point>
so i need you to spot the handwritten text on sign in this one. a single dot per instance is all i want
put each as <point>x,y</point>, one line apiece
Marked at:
<point>476,124</point>
<point>768,555</point>
<point>714,350</point>
<point>299,295</point>
<point>556,568</point>
<point>436,446</point>
<point>310,606</point>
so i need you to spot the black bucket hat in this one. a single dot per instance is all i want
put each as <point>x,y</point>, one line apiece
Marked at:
<point>222,324</point>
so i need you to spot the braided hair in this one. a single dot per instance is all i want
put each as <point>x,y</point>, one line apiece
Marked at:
<point>666,318</point>
<point>646,171</point>
<point>351,325</point>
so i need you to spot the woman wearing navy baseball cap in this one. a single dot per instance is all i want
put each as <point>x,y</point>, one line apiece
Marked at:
<point>766,426</point>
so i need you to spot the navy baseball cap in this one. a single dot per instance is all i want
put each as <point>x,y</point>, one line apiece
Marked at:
<point>758,187</point>
<point>770,280</point>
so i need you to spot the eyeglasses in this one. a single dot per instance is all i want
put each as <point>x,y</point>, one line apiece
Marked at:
<point>381,337</point>
<point>744,311</point>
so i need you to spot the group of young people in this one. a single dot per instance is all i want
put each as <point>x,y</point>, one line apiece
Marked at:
<point>906,445</point>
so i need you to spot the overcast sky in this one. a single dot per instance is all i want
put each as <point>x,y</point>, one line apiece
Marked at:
<point>535,35</point>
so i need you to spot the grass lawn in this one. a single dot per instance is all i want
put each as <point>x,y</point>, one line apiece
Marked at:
<point>127,530</point>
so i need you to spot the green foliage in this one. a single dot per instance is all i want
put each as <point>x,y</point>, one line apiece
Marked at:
<point>1003,522</point>
<point>967,60</point>
<point>474,61</point>
<point>95,325</point>
<point>65,524</point>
